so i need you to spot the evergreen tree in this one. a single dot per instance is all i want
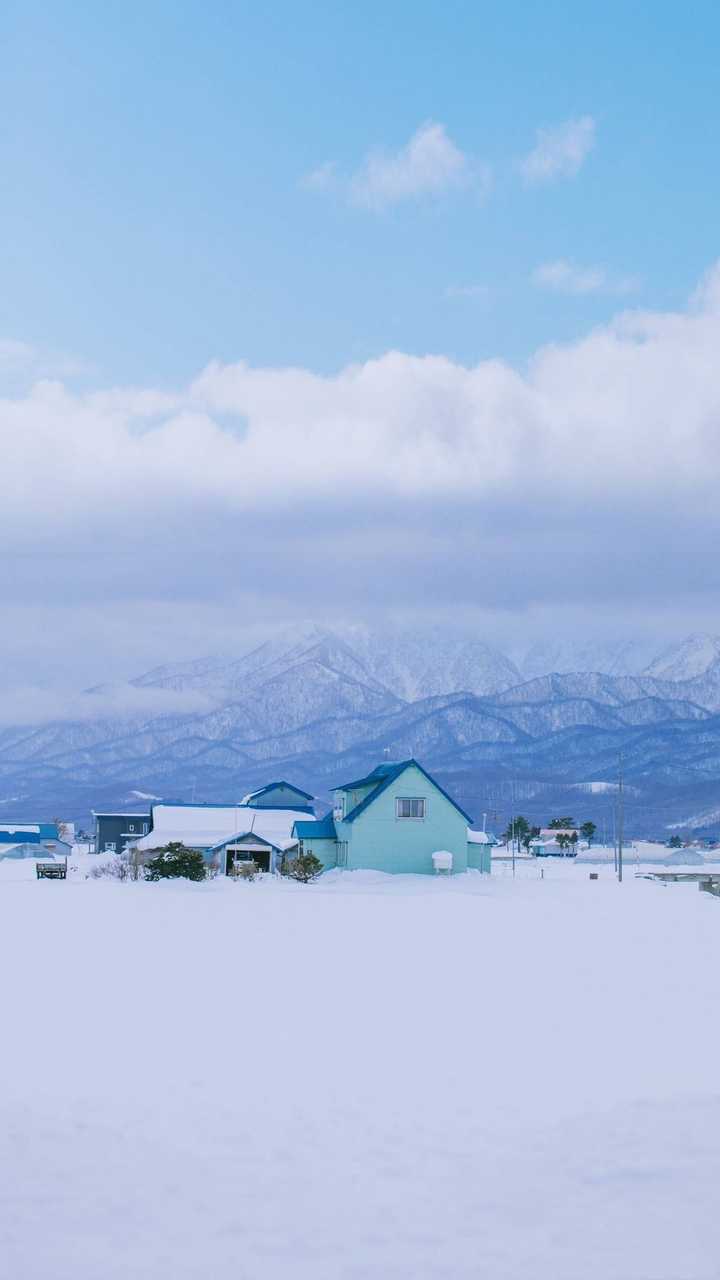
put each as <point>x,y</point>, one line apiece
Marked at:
<point>305,867</point>
<point>174,862</point>
<point>675,842</point>
<point>518,831</point>
<point>557,823</point>
<point>587,831</point>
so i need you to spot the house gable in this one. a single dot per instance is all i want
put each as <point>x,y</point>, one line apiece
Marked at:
<point>402,817</point>
<point>378,835</point>
<point>386,777</point>
<point>279,795</point>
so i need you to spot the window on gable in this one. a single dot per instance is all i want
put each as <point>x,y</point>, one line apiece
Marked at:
<point>409,807</point>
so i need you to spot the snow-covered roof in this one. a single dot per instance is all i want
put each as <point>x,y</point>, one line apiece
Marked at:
<point>478,837</point>
<point>206,826</point>
<point>282,785</point>
<point>37,833</point>
<point>245,835</point>
<point>23,849</point>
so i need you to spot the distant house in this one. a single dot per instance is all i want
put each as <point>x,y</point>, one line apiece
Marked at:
<point>548,847</point>
<point>394,819</point>
<point>115,831</point>
<point>32,840</point>
<point>256,829</point>
<point>279,795</point>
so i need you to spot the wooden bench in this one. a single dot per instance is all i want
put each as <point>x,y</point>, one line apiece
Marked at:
<point>51,870</point>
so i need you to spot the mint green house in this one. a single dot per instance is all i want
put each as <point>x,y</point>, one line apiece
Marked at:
<point>395,819</point>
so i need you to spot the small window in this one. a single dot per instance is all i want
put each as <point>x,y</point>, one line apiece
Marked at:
<point>145,828</point>
<point>131,826</point>
<point>109,846</point>
<point>409,807</point>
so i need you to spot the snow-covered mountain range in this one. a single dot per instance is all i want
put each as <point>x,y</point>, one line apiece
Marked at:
<point>315,704</point>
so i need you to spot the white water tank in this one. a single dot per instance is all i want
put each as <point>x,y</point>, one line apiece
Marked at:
<point>442,860</point>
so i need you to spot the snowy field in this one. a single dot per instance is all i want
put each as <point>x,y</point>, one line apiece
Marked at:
<point>366,1077</point>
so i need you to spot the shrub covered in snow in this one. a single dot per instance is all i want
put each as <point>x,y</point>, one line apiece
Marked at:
<point>176,862</point>
<point>305,867</point>
<point>115,868</point>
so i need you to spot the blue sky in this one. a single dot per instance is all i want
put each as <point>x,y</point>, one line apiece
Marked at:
<point>154,213</point>
<point>348,313</point>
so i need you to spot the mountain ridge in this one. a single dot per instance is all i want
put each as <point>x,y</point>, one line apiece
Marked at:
<point>308,702</point>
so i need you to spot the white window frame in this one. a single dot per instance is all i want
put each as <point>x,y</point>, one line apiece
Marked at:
<point>110,846</point>
<point>412,800</point>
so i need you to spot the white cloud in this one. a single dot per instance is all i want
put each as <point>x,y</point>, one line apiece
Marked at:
<point>36,704</point>
<point>131,518</point>
<point>568,277</point>
<point>21,359</point>
<point>430,164</point>
<point>15,355</point>
<point>559,152</point>
<point>400,425</point>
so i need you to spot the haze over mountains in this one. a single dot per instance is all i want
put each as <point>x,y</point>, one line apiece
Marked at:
<point>539,729</point>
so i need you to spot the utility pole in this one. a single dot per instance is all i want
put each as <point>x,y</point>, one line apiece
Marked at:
<point>621,817</point>
<point>614,817</point>
<point>512,823</point>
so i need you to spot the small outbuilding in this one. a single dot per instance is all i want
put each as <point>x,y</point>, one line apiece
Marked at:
<point>32,840</point>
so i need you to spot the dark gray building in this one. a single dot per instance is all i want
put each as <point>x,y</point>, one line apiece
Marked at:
<point>114,831</point>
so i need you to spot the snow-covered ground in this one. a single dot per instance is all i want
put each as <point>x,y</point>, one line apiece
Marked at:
<point>391,1077</point>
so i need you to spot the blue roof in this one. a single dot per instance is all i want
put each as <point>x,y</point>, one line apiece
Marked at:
<point>19,834</point>
<point>383,776</point>
<point>321,829</point>
<point>272,786</point>
<point>240,835</point>
<point>222,804</point>
<point>190,804</point>
<point>377,775</point>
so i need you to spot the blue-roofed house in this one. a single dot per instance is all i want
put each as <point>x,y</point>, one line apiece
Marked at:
<point>393,819</point>
<point>279,795</point>
<point>257,828</point>
<point>32,840</point>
